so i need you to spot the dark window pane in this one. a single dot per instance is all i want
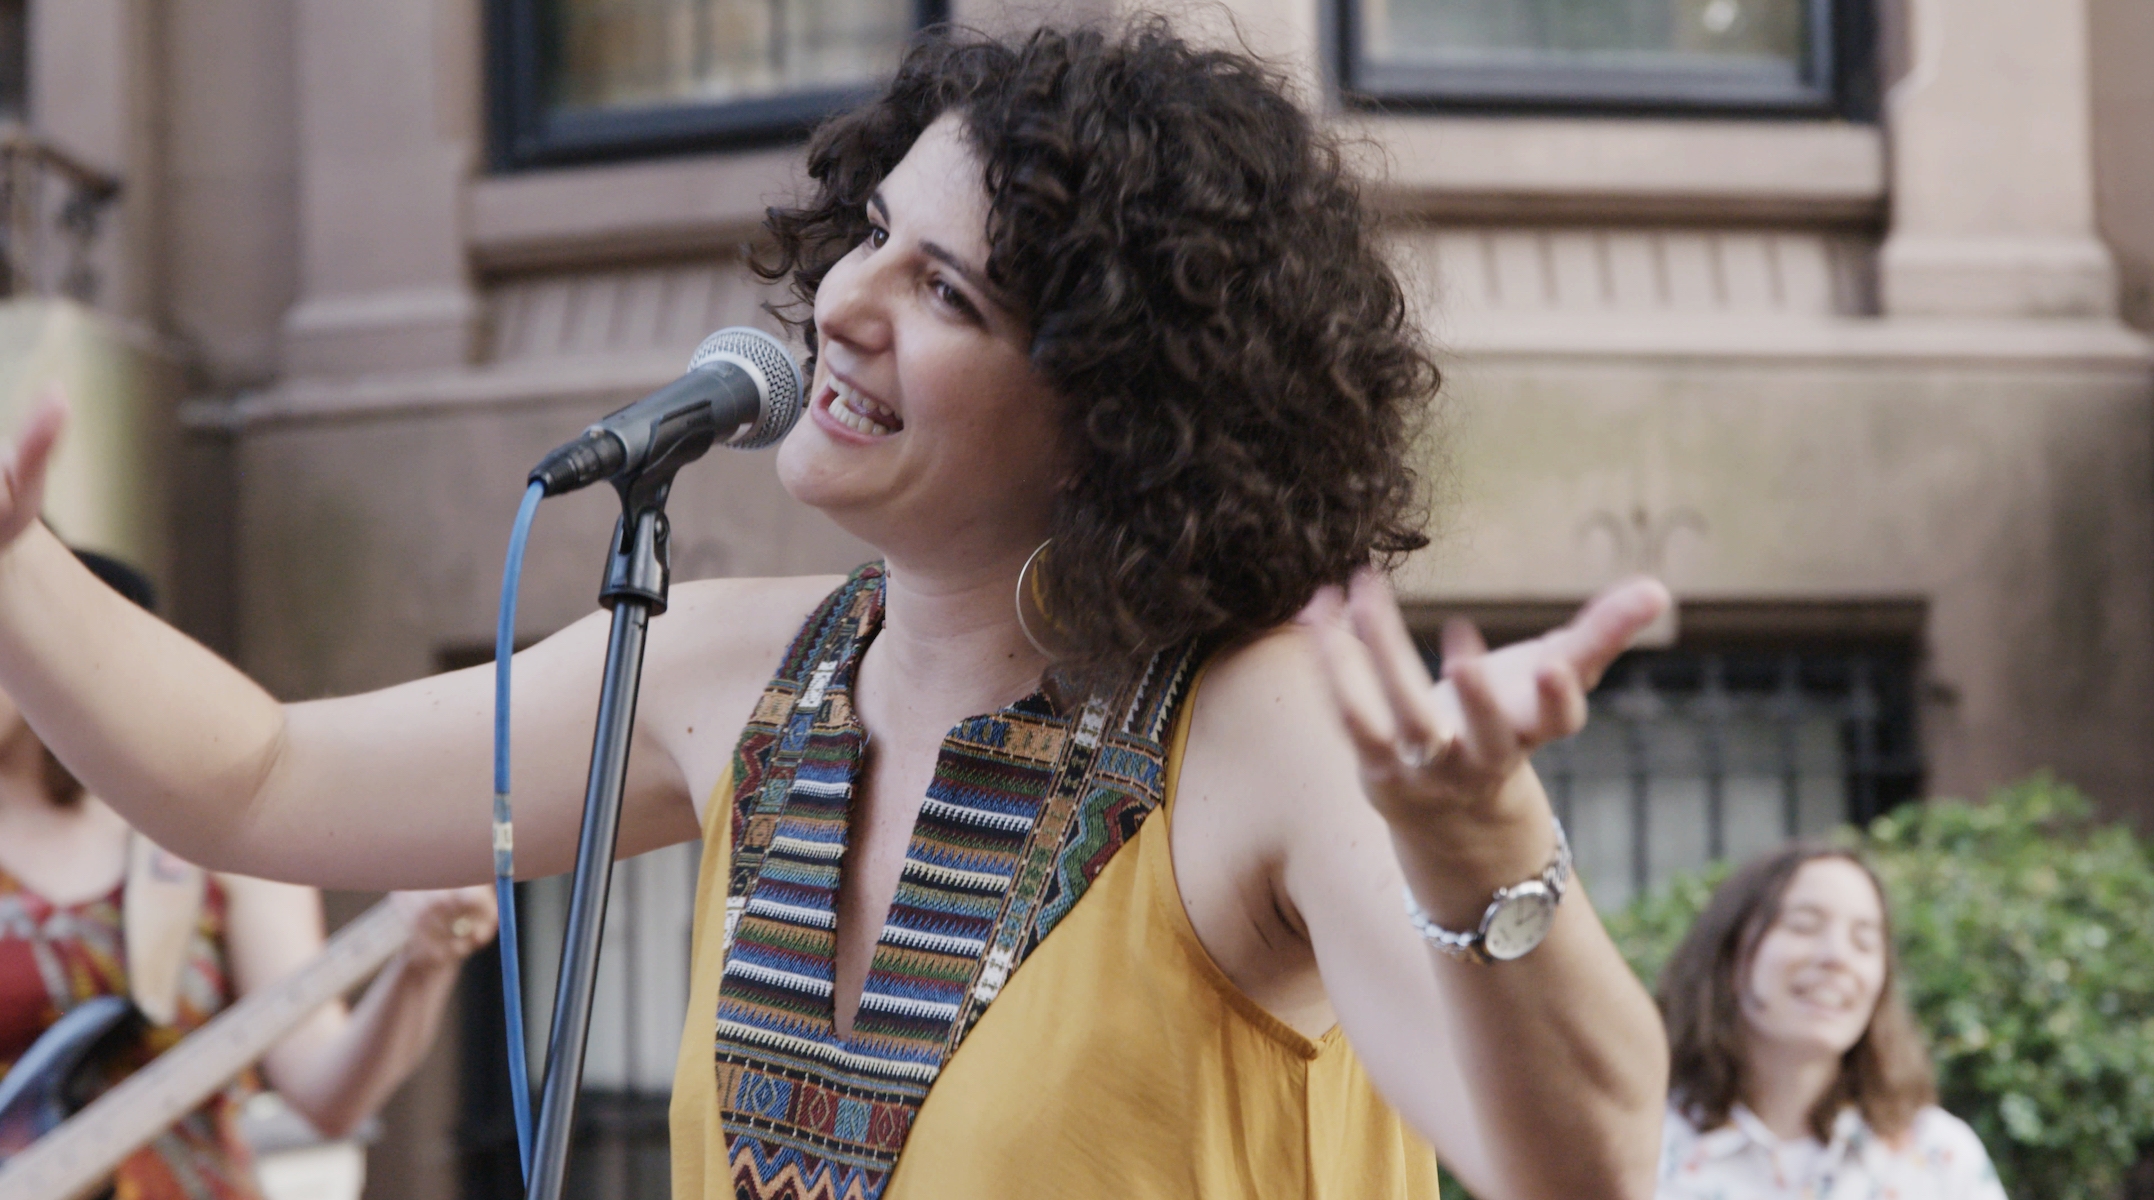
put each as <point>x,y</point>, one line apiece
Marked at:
<point>1778,55</point>
<point>581,81</point>
<point>14,60</point>
<point>646,53</point>
<point>1756,36</point>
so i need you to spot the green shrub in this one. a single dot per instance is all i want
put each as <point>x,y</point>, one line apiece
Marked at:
<point>2026,937</point>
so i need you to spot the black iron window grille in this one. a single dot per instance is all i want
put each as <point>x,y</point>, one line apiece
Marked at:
<point>619,1141</point>
<point>575,81</point>
<point>619,1149</point>
<point>1729,748</point>
<point>1790,57</point>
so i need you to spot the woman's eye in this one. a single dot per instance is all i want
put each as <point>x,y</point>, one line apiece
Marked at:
<point>877,235</point>
<point>954,298</point>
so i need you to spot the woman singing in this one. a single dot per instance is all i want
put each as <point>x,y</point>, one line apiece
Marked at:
<point>1049,854</point>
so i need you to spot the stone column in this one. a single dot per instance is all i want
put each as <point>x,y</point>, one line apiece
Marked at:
<point>387,137</point>
<point>94,91</point>
<point>1992,166</point>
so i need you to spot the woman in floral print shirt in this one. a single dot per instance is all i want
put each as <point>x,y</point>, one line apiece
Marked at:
<point>1796,1071</point>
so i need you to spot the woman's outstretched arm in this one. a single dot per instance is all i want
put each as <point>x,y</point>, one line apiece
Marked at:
<point>385,790</point>
<point>1538,1078</point>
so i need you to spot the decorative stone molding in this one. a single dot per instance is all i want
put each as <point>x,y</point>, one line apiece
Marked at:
<point>1472,270</point>
<point>656,309</point>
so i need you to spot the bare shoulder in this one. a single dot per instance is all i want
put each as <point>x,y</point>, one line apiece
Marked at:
<point>720,639</point>
<point>1267,778</point>
<point>717,621</point>
<point>1263,703</point>
<point>1265,739</point>
<point>710,656</point>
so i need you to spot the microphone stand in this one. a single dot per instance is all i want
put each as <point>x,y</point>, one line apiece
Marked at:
<point>638,572</point>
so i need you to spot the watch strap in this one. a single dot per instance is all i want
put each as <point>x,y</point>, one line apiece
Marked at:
<point>1471,946</point>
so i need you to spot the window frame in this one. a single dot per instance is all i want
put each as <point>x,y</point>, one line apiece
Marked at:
<point>523,132</point>
<point>1840,81</point>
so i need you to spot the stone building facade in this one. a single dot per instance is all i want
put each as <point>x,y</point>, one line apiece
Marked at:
<point>1869,377</point>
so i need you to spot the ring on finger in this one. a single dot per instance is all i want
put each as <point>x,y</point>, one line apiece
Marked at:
<point>1416,755</point>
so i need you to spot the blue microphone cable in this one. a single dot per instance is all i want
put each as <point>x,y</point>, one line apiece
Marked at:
<point>512,979</point>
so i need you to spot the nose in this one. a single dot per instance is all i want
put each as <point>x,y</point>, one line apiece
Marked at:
<point>1837,950</point>
<point>851,303</point>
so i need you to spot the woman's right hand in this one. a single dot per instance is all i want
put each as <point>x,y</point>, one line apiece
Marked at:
<point>22,481</point>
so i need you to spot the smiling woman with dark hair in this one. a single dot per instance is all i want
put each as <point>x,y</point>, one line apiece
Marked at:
<point>1797,1071</point>
<point>1240,383</point>
<point>1049,855</point>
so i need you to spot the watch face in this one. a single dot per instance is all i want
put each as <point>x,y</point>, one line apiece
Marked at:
<point>1519,922</point>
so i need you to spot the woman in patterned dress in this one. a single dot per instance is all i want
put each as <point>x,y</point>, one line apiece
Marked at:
<point>1798,1073</point>
<point>1109,304</point>
<point>63,862</point>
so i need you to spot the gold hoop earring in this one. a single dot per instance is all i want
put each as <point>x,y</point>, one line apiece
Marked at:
<point>1023,573</point>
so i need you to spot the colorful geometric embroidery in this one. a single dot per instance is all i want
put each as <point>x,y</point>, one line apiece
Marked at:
<point>1025,807</point>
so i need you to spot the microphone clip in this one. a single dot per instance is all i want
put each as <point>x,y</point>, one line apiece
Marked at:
<point>640,564</point>
<point>639,567</point>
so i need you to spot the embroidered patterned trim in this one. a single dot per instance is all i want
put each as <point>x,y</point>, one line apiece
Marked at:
<point>1024,808</point>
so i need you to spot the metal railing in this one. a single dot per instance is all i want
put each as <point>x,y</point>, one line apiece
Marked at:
<point>620,1133</point>
<point>1693,757</point>
<point>51,205</point>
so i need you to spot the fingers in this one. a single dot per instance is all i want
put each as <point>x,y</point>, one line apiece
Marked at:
<point>1462,640</point>
<point>449,924</point>
<point>1503,705</point>
<point>1562,701</point>
<point>1491,738</point>
<point>22,479</point>
<point>1351,678</point>
<point>1399,669</point>
<point>1604,628</point>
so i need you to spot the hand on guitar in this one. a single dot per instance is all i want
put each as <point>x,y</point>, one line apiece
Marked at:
<point>447,925</point>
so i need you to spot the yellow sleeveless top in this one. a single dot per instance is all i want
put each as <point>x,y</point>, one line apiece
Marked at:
<point>1118,1063</point>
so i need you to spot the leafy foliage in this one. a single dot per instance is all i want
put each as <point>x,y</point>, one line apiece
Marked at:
<point>2026,937</point>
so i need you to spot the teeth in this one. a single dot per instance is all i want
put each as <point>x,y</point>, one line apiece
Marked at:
<point>859,413</point>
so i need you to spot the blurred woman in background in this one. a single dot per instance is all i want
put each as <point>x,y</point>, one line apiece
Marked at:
<point>64,873</point>
<point>1796,1068</point>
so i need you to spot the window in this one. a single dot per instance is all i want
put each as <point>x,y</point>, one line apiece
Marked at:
<point>1733,743</point>
<point>14,60</point>
<point>1786,56</point>
<point>618,1146</point>
<point>587,80</point>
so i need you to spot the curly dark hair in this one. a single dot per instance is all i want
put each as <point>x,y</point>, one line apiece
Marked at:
<point>1203,284</point>
<point>1886,1073</point>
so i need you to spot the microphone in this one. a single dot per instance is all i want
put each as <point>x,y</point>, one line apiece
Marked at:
<point>742,388</point>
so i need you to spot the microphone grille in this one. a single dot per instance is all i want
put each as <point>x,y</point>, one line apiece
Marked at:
<point>777,375</point>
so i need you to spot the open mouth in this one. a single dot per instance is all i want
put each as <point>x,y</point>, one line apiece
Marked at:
<point>1825,995</point>
<point>857,412</point>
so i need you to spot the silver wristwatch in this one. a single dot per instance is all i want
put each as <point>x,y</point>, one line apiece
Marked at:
<point>1517,919</point>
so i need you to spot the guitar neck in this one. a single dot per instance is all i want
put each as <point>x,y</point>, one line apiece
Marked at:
<point>81,1154</point>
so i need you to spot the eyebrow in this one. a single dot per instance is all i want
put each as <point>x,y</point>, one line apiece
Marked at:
<point>946,257</point>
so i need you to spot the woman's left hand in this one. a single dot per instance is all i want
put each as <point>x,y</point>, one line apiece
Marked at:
<point>447,925</point>
<point>1432,755</point>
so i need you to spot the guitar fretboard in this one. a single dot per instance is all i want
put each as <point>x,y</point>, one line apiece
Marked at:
<point>80,1155</point>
